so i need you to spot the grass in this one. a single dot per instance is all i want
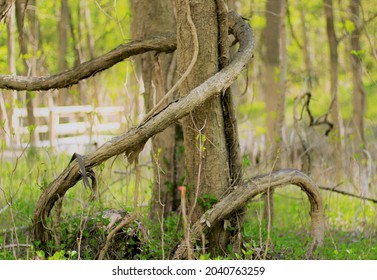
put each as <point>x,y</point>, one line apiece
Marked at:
<point>350,227</point>
<point>23,179</point>
<point>350,222</point>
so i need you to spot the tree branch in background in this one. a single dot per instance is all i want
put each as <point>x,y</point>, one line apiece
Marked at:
<point>5,6</point>
<point>347,193</point>
<point>91,67</point>
<point>322,120</point>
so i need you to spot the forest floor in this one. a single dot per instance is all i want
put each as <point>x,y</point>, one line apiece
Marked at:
<point>350,222</point>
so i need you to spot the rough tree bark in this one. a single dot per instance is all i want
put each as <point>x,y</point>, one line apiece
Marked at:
<point>10,97</point>
<point>258,185</point>
<point>206,150</point>
<point>89,68</point>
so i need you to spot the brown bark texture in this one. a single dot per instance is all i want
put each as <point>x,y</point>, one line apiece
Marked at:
<point>29,45</point>
<point>63,25</point>
<point>206,151</point>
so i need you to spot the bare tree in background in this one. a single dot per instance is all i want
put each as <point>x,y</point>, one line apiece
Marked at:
<point>359,96</point>
<point>334,109</point>
<point>274,77</point>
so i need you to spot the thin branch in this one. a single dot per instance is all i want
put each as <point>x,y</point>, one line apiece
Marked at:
<point>126,220</point>
<point>293,33</point>
<point>349,194</point>
<point>9,246</point>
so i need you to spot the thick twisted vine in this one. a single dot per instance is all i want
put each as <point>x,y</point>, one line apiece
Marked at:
<point>134,139</point>
<point>243,194</point>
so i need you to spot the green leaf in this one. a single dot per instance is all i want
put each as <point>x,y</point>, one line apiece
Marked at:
<point>349,25</point>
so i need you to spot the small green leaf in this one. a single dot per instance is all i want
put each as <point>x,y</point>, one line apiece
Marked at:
<point>349,25</point>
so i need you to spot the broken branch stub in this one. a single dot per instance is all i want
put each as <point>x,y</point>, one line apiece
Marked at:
<point>243,194</point>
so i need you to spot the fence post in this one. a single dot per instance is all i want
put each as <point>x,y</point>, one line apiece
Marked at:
<point>53,122</point>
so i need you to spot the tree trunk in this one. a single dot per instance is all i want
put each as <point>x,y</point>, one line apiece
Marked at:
<point>11,96</point>
<point>158,69</point>
<point>274,88</point>
<point>30,65</point>
<point>359,97</point>
<point>334,105</point>
<point>310,76</point>
<point>63,25</point>
<point>206,151</point>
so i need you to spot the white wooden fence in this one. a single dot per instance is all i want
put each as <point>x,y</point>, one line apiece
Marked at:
<point>61,122</point>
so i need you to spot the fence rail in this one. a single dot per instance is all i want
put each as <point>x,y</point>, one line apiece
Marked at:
<point>57,122</point>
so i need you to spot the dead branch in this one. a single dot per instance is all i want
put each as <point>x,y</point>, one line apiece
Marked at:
<point>253,187</point>
<point>322,120</point>
<point>133,141</point>
<point>126,221</point>
<point>348,194</point>
<point>90,68</point>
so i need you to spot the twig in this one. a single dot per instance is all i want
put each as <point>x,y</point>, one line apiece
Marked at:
<point>293,33</point>
<point>270,205</point>
<point>9,246</point>
<point>4,209</point>
<point>126,220</point>
<point>349,194</point>
<point>161,218</point>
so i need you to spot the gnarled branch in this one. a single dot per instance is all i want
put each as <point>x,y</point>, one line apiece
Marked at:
<point>90,68</point>
<point>253,187</point>
<point>134,139</point>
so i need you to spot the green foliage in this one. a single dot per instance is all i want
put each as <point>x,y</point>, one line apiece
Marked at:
<point>201,140</point>
<point>155,248</point>
<point>349,235</point>
<point>349,26</point>
<point>207,200</point>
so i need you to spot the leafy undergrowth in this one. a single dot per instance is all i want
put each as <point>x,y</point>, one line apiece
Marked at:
<point>350,222</point>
